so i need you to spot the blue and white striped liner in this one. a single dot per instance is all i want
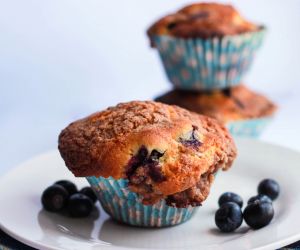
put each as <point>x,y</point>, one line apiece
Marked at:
<point>248,128</point>
<point>124,206</point>
<point>207,64</point>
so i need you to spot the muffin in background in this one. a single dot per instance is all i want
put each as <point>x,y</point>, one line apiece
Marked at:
<point>205,46</point>
<point>151,164</point>
<point>244,112</point>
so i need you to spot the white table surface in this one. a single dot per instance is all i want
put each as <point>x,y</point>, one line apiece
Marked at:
<point>61,60</point>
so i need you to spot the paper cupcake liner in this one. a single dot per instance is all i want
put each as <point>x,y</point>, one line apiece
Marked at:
<point>248,128</point>
<point>125,206</point>
<point>207,64</point>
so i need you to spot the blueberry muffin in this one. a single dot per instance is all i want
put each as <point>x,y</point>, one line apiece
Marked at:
<point>245,112</point>
<point>205,46</point>
<point>145,155</point>
<point>202,20</point>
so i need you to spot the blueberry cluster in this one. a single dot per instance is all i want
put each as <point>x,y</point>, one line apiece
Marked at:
<point>258,213</point>
<point>63,196</point>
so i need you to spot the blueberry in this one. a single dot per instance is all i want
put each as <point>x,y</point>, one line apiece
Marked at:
<point>261,198</point>
<point>54,198</point>
<point>155,155</point>
<point>230,197</point>
<point>258,214</point>
<point>89,192</point>
<point>228,217</point>
<point>155,172</point>
<point>227,92</point>
<point>139,159</point>
<point>171,25</point>
<point>68,185</point>
<point>79,205</point>
<point>192,141</point>
<point>269,187</point>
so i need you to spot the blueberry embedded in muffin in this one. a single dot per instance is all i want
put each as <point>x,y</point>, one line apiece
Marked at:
<point>161,150</point>
<point>191,141</point>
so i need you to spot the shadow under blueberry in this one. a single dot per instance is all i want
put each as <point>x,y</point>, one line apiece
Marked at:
<point>75,227</point>
<point>242,230</point>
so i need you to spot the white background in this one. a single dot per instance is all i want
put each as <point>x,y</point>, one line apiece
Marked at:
<point>61,60</point>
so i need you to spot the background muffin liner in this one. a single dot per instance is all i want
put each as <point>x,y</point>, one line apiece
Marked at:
<point>125,206</point>
<point>248,128</point>
<point>207,64</point>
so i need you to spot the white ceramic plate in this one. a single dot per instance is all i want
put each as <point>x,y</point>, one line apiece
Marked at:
<point>22,217</point>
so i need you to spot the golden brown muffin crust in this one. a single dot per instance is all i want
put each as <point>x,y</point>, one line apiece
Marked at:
<point>237,103</point>
<point>160,149</point>
<point>202,20</point>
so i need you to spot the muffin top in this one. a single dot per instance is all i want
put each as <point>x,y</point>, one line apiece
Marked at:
<point>202,20</point>
<point>236,103</point>
<point>160,149</point>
